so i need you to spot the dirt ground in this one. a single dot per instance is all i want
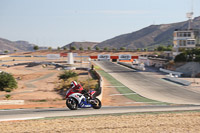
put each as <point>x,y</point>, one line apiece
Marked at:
<point>138,123</point>
<point>36,85</point>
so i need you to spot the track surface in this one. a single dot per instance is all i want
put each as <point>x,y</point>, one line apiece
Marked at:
<point>150,86</point>
<point>23,114</point>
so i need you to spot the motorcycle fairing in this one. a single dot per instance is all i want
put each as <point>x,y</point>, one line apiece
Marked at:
<point>77,96</point>
<point>84,104</point>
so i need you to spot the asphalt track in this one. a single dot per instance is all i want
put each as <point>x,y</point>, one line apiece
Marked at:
<point>24,114</point>
<point>150,86</point>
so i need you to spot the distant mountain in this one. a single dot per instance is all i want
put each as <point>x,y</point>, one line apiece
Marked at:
<point>18,46</point>
<point>84,45</point>
<point>149,37</point>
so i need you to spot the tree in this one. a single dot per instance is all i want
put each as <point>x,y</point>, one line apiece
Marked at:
<point>114,49</point>
<point>122,48</point>
<point>160,48</point>
<point>65,48</point>
<point>6,51</point>
<point>7,82</point>
<point>106,49</point>
<point>58,48</point>
<point>73,48</point>
<point>35,47</point>
<point>81,48</point>
<point>129,49</point>
<point>181,57</point>
<point>169,48</point>
<point>49,48</point>
<point>97,48</point>
<point>15,50</point>
<point>89,48</point>
<point>67,74</point>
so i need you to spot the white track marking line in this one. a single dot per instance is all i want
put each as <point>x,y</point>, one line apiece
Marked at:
<point>16,119</point>
<point>11,109</point>
<point>114,86</point>
<point>123,94</point>
<point>141,102</point>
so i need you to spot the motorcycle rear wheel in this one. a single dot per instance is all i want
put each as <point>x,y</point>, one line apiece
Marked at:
<point>96,104</point>
<point>72,103</point>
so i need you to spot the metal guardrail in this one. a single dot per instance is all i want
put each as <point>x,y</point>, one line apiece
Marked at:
<point>177,80</point>
<point>125,64</point>
<point>142,68</point>
<point>172,72</point>
<point>100,90</point>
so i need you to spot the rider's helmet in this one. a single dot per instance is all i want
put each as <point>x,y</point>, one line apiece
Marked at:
<point>73,84</point>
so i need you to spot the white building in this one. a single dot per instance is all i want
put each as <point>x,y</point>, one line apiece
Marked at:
<point>186,39</point>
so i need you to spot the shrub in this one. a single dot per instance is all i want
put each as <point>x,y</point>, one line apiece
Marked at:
<point>97,48</point>
<point>189,55</point>
<point>7,82</point>
<point>73,48</point>
<point>180,58</point>
<point>81,48</point>
<point>7,96</point>
<point>122,48</point>
<point>106,49</point>
<point>90,84</point>
<point>89,48</point>
<point>65,84</point>
<point>35,47</point>
<point>67,74</point>
<point>197,58</point>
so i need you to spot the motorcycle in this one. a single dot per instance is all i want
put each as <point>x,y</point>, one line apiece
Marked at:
<point>76,100</point>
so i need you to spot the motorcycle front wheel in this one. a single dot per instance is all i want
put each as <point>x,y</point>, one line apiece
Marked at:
<point>72,103</point>
<point>96,104</point>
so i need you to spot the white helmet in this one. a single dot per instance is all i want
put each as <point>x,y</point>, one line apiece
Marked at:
<point>73,84</point>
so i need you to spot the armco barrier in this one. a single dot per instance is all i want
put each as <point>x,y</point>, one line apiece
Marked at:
<point>132,66</point>
<point>100,90</point>
<point>125,64</point>
<point>177,80</point>
<point>172,72</point>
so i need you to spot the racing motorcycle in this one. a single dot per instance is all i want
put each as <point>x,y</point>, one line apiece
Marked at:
<point>76,100</point>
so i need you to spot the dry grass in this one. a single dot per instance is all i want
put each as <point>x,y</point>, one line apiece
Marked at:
<point>143,123</point>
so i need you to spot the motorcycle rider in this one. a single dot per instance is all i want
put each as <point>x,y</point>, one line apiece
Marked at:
<point>78,88</point>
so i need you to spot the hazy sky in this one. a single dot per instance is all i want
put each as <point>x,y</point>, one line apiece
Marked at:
<point>58,22</point>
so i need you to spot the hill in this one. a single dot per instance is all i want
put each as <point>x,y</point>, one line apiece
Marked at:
<point>18,46</point>
<point>84,45</point>
<point>149,36</point>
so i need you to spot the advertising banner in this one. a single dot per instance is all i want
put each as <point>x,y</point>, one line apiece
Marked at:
<point>124,57</point>
<point>104,57</point>
<point>53,56</point>
<point>63,54</point>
